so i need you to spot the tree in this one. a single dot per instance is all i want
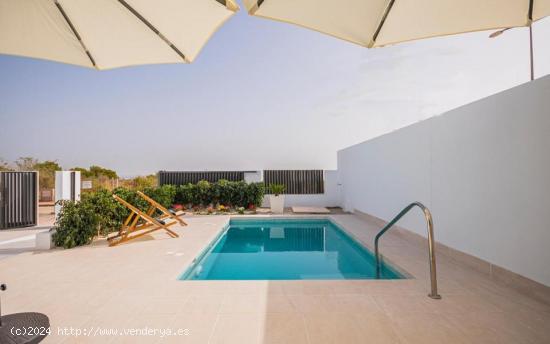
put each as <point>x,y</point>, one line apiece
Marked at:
<point>26,163</point>
<point>4,165</point>
<point>141,183</point>
<point>46,172</point>
<point>98,171</point>
<point>83,172</point>
<point>100,177</point>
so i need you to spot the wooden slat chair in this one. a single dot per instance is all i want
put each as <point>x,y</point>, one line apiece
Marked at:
<point>132,228</point>
<point>154,206</point>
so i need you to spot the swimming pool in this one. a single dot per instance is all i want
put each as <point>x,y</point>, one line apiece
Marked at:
<point>277,249</point>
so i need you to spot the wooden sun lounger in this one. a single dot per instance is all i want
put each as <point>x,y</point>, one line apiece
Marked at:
<point>154,206</point>
<point>132,228</point>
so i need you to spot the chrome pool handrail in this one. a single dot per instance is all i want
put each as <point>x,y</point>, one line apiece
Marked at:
<point>430,226</point>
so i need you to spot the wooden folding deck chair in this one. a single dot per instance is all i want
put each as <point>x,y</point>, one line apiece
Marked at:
<point>134,228</point>
<point>154,206</point>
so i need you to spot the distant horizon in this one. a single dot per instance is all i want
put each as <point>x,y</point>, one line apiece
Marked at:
<point>261,95</point>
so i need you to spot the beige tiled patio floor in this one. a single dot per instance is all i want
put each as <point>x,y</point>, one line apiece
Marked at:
<point>136,286</point>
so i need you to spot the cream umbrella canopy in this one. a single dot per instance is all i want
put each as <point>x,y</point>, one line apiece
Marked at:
<point>106,34</point>
<point>375,23</point>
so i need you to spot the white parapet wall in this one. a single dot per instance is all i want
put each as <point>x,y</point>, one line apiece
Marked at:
<point>483,169</point>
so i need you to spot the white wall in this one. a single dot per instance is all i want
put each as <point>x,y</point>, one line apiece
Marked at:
<point>330,198</point>
<point>63,187</point>
<point>483,170</point>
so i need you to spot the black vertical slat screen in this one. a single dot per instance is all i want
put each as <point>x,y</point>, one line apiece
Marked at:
<point>297,182</point>
<point>18,202</point>
<point>193,177</point>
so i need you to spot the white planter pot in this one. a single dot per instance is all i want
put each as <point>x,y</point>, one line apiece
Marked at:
<point>277,203</point>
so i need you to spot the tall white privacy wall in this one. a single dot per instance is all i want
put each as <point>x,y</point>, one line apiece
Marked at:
<point>483,169</point>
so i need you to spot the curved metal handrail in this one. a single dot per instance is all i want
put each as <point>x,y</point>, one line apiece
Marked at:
<point>428,215</point>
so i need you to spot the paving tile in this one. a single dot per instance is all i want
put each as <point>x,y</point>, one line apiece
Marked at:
<point>343,328</point>
<point>241,303</point>
<point>208,303</point>
<point>283,328</point>
<point>238,328</point>
<point>312,303</point>
<point>426,328</point>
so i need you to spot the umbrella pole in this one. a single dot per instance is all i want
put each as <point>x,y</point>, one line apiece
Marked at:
<point>531,52</point>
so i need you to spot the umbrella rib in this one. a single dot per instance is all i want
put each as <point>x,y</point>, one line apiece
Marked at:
<point>379,28</point>
<point>153,28</point>
<point>256,7</point>
<point>230,5</point>
<point>530,14</point>
<point>73,29</point>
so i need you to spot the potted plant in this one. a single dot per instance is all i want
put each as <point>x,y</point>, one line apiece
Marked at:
<point>276,198</point>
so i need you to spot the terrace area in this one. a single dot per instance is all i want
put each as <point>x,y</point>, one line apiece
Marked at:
<point>135,286</point>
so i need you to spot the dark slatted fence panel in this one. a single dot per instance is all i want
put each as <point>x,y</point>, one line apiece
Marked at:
<point>18,199</point>
<point>193,177</point>
<point>297,182</point>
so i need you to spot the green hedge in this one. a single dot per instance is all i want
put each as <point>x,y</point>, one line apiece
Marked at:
<point>99,213</point>
<point>233,194</point>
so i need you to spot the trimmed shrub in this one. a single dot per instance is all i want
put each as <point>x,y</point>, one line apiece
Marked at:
<point>204,194</point>
<point>165,194</point>
<point>256,192</point>
<point>186,194</point>
<point>76,224</point>
<point>235,194</point>
<point>110,213</point>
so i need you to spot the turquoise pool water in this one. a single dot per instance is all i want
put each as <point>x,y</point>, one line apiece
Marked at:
<point>285,250</point>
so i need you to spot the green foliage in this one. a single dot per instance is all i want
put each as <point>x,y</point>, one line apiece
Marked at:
<point>256,192</point>
<point>75,225</point>
<point>131,196</point>
<point>46,173</point>
<point>186,194</point>
<point>140,183</point>
<point>236,194</point>
<point>110,213</point>
<point>48,165</point>
<point>98,212</point>
<point>277,189</point>
<point>164,195</point>
<point>96,172</point>
<point>84,173</point>
<point>204,193</point>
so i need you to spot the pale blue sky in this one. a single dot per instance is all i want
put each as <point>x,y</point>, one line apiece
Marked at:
<point>262,94</point>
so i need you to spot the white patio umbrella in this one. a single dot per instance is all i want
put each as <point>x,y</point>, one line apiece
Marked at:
<point>106,34</point>
<point>376,23</point>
